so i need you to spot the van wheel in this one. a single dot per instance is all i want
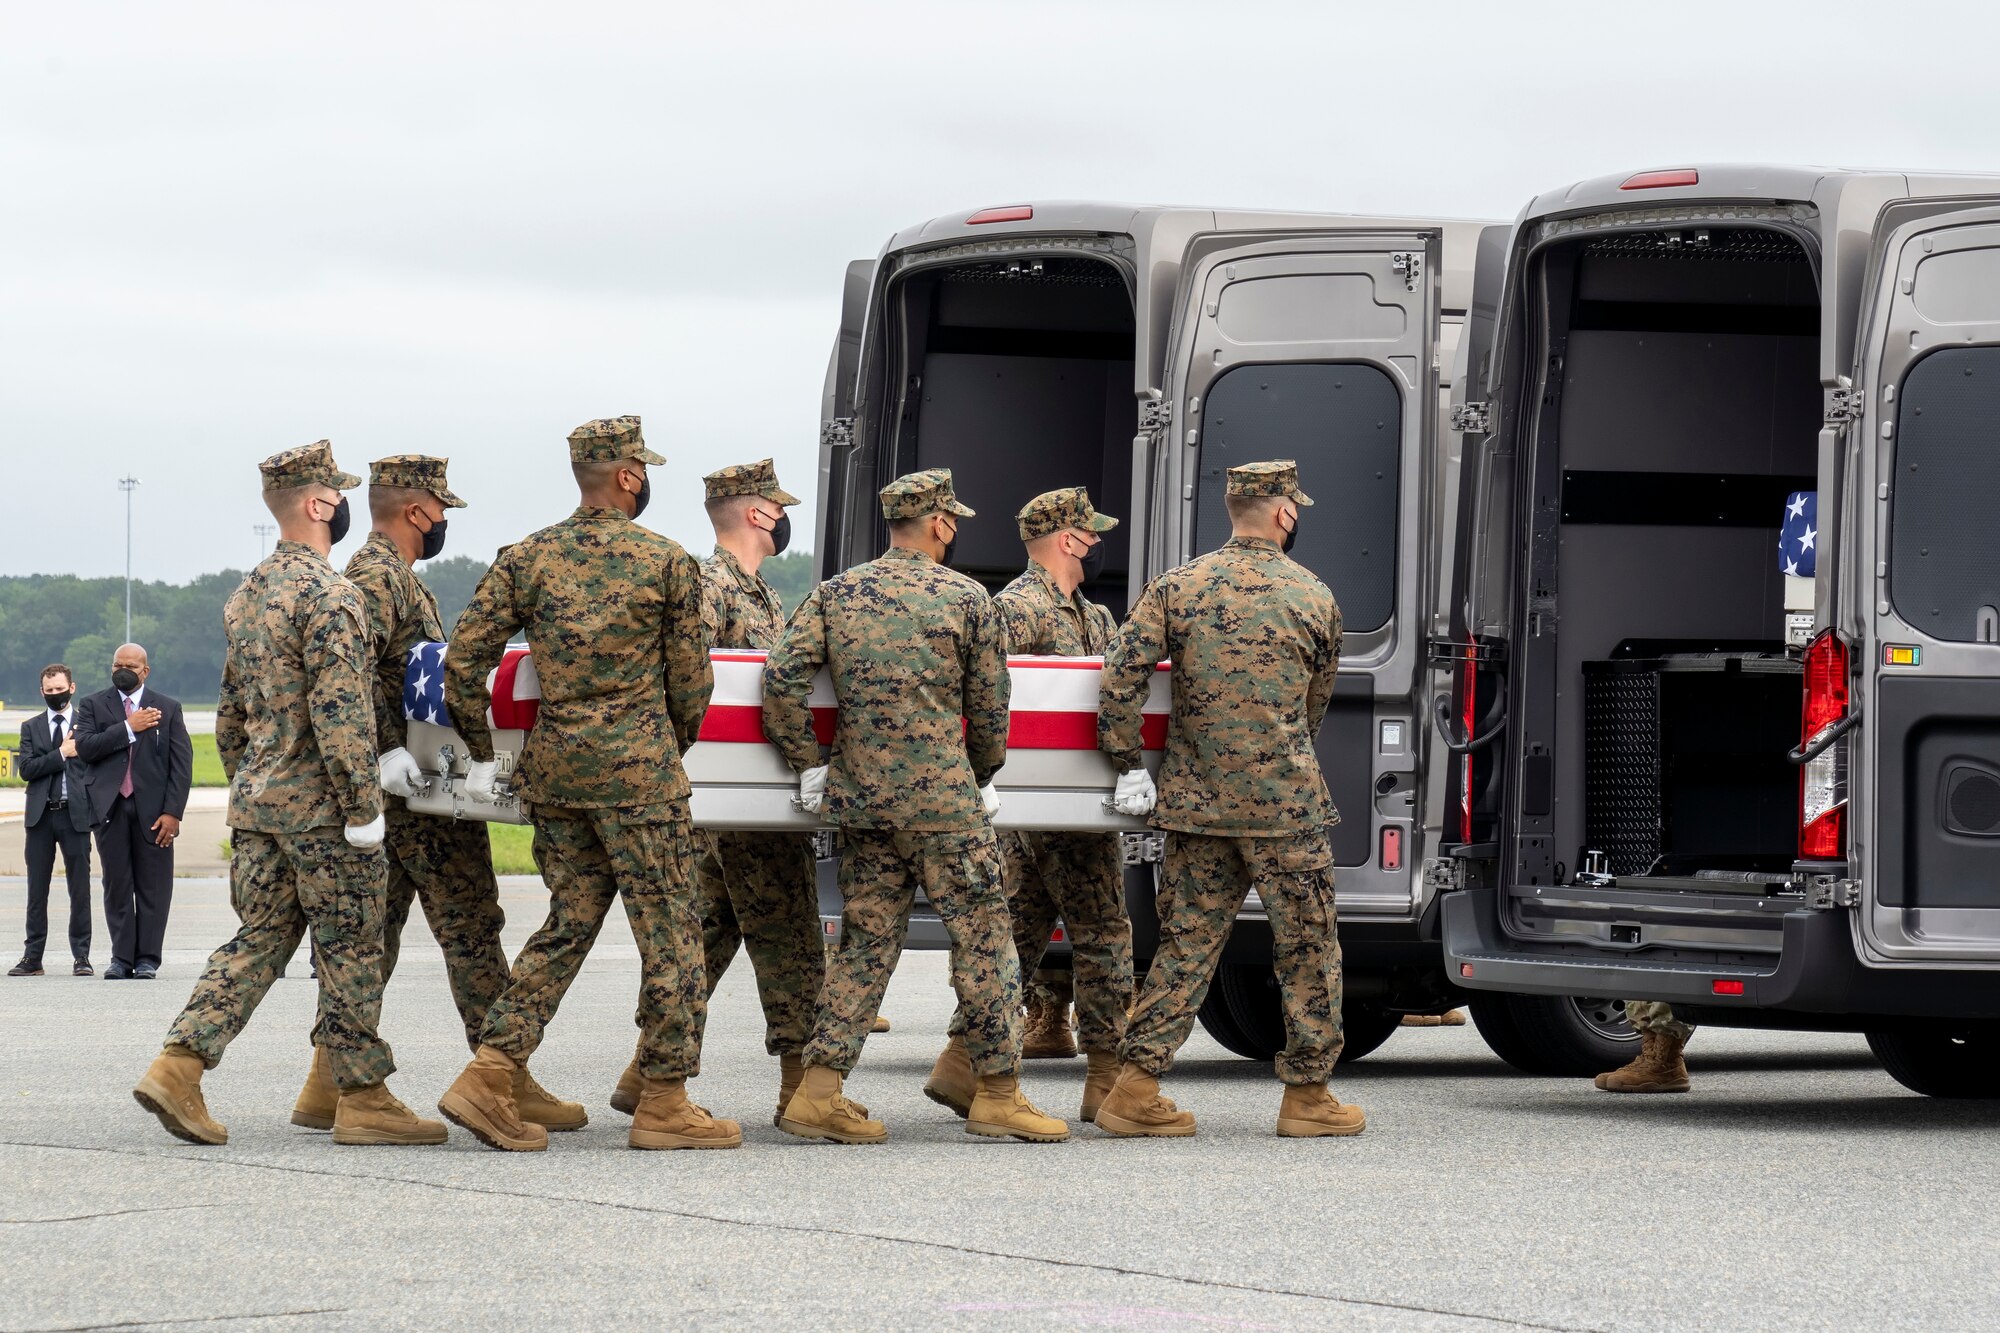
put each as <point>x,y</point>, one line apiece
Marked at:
<point>1946,1060</point>
<point>1556,1036</point>
<point>1245,1013</point>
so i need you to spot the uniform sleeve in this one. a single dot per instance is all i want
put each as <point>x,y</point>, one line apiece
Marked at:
<point>477,643</point>
<point>690,673</point>
<point>1138,647</point>
<point>788,676</point>
<point>340,699</point>
<point>988,689</point>
<point>1320,693</point>
<point>231,737</point>
<point>382,610</point>
<point>713,610</point>
<point>1017,623</point>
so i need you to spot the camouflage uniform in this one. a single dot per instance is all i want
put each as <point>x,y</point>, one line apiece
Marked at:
<point>913,647</point>
<point>1077,877</point>
<point>612,612</point>
<point>757,889</point>
<point>1657,1016</point>
<point>447,864</point>
<point>296,734</point>
<point>1255,641</point>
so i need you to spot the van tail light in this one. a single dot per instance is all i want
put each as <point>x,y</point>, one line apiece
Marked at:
<point>1660,180</point>
<point>1010,213</point>
<point>1823,781</point>
<point>1391,857</point>
<point>1469,692</point>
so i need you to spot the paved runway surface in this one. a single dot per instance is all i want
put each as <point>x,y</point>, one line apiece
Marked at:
<point>1797,1187</point>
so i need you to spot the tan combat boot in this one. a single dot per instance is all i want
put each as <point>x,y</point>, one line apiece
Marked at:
<point>1047,1035</point>
<point>1002,1111</point>
<point>319,1098</point>
<point>666,1119</point>
<point>1658,1068</point>
<point>791,1069</point>
<point>1134,1108</point>
<point>1097,1080</point>
<point>880,1024</point>
<point>625,1097</point>
<point>482,1100</point>
<point>171,1090</point>
<point>818,1111</point>
<point>951,1083</point>
<point>1454,1018</point>
<point>538,1106</point>
<point>1309,1111</point>
<point>372,1116</point>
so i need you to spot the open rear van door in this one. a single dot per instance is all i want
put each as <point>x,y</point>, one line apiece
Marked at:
<point>836,424</point>
<point>1321,347</point>
<point>1922,728</point>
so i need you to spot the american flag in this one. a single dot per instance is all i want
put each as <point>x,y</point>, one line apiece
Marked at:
<point>423,685</point>
<point>1798,538</point>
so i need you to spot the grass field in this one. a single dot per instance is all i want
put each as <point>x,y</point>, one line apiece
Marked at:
<point>511,844</point>
<point>207,763</point>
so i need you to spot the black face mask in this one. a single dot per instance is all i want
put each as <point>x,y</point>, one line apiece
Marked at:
<point>337,525</point>
<point>433,540</point>
<point>950,548</point>
<point>1291,538</point>
<point>56,702</point>
<point>643,498</point>
<point>124,679</point>
<point>781,534</point>
<point>1092,562</point>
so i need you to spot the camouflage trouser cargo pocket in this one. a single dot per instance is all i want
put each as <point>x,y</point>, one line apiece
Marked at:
<point>1294,879</point>
<point>761,891</point>
<point>960,876</point>
<point>282,885</point>
<point>447,865</point>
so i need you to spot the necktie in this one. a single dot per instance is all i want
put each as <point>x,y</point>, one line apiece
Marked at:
<point>62,787</point>
<point>125,787</point>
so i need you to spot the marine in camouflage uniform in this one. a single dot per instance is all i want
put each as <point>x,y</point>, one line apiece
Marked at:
<point>1078,878</point>
<point>919,666</point>
<point>612,614</point>
<point>296,734</point>
<point>761,889</point>
<point>1255,642</point>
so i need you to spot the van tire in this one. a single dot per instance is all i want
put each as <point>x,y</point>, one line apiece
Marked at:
<point>1245,1014</point>
<point>1943,1059</point>
<point>1555,1036</point>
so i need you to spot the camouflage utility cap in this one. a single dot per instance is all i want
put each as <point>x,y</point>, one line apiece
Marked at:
<point>609,439</point>
<point>1053,511</point>
<point>920,494</point>
<point>759,479</point>
<point>1279,478</point>
<point>414,472</point>
<point>307,465</point>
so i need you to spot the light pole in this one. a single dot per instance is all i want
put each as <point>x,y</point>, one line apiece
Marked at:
<point>128,485</point>
<point>264,531</point>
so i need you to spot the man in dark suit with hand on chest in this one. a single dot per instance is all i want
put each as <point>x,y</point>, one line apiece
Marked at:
<point>57,817</point>
<point>141,765</point>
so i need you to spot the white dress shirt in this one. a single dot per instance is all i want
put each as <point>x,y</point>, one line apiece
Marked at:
<point>67,716</point>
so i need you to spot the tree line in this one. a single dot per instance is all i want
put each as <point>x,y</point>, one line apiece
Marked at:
<point>48,618</point>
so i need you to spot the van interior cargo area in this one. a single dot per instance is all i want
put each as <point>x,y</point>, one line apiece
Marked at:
<point>1018,376</point>
<point>1683,406</point>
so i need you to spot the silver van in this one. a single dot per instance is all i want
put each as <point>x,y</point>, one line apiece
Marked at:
<point>1725,609</point>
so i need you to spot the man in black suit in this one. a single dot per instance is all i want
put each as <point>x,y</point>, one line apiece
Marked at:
<point>141,765</point>
<point>58,817</point>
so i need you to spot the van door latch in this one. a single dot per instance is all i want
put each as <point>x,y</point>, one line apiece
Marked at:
<point>836,432</point>
<point>1824,893</point>
<point>1409,266</point>
<point>1844,405</point>
<point>1472,418</point>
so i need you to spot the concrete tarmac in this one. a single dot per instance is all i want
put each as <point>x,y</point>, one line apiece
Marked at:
<point>1797,1187</point>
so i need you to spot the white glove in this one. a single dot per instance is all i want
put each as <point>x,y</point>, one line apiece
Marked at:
<point>990,799</point>
<point>366,836</point>
<point>1135,793</point>
<point>482,781</point>
<point>812,789</point>
<point>401,774</point>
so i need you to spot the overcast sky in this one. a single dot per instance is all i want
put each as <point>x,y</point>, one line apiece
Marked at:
<point>227,229</point>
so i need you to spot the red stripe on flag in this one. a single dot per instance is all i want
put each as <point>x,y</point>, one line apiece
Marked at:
<point>743,724</point>
<point>510,713</point>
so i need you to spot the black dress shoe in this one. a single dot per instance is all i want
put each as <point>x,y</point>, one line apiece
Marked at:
<point>145,972</point>
<point>83,968</point>
<point>27,967</point>
<point>117,972</point>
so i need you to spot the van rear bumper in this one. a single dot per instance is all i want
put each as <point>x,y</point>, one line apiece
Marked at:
<point>1816,970</point>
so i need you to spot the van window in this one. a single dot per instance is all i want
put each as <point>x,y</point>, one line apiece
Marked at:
<point>1944,565</point>
<point>1343,422</point>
